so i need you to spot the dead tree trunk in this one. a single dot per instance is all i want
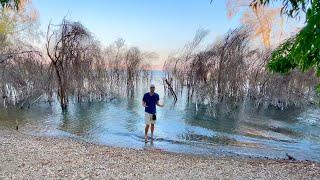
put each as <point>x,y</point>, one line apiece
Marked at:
<point>171,90</point>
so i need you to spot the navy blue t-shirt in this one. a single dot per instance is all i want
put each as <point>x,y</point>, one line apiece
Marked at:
<point>151,102</point>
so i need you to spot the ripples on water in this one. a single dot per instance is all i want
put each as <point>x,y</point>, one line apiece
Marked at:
<point>183,127</point>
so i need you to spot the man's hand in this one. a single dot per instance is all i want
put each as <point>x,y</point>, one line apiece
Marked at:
<point>160,105</point>
<point>144,104</point>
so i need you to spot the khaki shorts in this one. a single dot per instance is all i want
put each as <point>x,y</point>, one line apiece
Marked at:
<point>148,118</point>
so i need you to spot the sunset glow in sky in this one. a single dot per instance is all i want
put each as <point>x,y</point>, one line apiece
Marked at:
<point>160,26</point>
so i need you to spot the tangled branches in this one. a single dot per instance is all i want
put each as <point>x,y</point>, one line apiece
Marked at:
<point>76,67</point>
<point>230,71</point>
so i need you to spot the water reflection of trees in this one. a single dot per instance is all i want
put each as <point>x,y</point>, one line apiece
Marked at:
<point>249,121</point>
<point>216,119</point>
<point>81,119</point>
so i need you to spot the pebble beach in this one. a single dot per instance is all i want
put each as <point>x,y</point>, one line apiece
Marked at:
<point>25,156</point>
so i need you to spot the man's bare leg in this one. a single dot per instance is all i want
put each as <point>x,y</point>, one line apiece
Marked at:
<point>152,129</point>
<point>146,132</point>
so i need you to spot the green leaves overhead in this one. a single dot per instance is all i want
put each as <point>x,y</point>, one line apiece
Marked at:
<point>14,4</point>
<point>302,51</point>
<point>290,7</point>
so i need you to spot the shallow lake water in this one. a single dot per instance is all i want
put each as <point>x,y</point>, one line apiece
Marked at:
<point>181,127</point>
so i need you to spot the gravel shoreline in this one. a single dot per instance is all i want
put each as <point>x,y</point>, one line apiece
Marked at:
<point>31,157</point>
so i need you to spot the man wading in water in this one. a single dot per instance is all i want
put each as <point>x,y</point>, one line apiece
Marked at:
<point>149,101</point>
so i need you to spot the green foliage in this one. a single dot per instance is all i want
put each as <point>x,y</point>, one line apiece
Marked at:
<point>4,2</point>
<point>290,7</point>
<point>318,88</point>
<point>281,60</point>
<point>302,51</point>
<point>6,25</point>
<point>14,4</point>
<point>17,24</point>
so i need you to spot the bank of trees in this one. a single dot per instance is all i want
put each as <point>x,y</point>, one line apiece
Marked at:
<point>232,71</point>
<point>70,65</point>
<point>83,69</point>
<point>21,66</point>
<point>74,65</point>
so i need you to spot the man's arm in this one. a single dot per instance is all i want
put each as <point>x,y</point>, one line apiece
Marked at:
<point>160,105</point>
<point>144,104</point>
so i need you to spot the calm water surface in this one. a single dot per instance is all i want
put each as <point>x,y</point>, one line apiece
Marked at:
<point>181,127</point>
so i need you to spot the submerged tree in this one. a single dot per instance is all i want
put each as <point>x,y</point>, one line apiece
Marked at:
<point>125,67</point>
<point>231,72</point>
<point>132,61</point>
<point>77,69</point>
<point>21,66</point>
<point>83,70</point>
<point>70,51</point>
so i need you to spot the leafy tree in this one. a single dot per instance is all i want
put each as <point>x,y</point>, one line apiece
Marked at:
<point>303,50</point>
<point>290,7</point>
<point>18,24</point>
<point>13,4</point>
<point>17,17</point>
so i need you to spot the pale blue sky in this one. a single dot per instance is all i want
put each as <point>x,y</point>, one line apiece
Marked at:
<point>154,25</point>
